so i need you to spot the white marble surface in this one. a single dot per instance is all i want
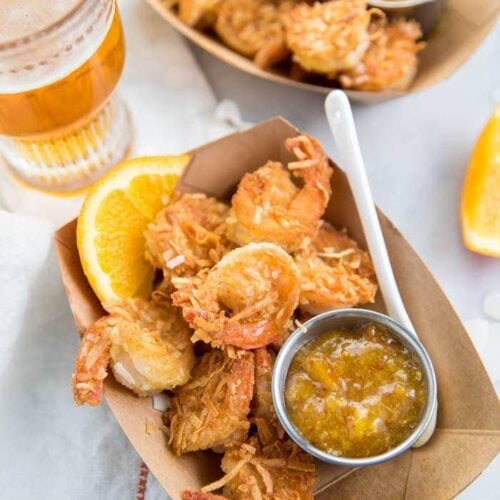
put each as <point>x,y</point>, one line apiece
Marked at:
<point>416,149</point>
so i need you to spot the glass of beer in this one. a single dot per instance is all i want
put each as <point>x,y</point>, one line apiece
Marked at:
<point>61,123</point>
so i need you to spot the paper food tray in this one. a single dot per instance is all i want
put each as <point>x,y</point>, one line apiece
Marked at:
<point>460,30</point>
<point>467,437</point>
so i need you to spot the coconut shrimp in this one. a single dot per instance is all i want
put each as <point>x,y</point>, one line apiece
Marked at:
<point>334,273</point>
<point>268,206</point>
<point>211,409</point>
<point>199,13</point>
<point>253,28</point>
<point>277,471</point>
<point>328,37</point>
<point>244,301</point>
<point>390,63</point>
<point>187,235</point>
<point>263,413</point>
<point>146,343</point>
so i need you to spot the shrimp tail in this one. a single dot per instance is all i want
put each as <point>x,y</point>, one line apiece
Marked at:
<point>91,365</point>
<point>313,167</point>
<point>223,331</point>
<point>250,335</point>
<point>312,163</point>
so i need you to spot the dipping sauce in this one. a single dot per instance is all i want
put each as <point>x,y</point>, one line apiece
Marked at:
<point>355,393</point>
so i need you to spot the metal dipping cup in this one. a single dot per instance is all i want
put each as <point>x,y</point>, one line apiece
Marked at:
<point>346,319</point>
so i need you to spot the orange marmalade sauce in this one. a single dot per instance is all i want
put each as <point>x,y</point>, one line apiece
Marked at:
<point>355,393</point>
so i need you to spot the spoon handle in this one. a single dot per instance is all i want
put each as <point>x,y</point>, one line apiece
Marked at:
<point>339,115</point>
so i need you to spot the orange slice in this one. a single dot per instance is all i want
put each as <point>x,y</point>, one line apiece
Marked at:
<point>110,230</point>
<point>481,193</point>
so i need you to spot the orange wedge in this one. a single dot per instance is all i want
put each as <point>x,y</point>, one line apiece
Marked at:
<point>481,193</point>
<point>110,230</point>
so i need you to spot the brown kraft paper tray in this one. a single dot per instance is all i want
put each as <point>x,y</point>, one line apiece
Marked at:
<point>459,31</point>
<point>467,437</point>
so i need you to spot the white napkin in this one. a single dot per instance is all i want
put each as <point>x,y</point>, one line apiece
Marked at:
<point>49,448</point>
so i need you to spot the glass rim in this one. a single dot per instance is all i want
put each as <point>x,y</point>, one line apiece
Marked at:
<point>52,27</point>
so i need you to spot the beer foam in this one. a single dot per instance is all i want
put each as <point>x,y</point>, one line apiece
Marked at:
<point>21,18</point>
<point>51,57</point>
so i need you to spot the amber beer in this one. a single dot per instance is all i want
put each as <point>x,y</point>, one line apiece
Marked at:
<point>60,123</point>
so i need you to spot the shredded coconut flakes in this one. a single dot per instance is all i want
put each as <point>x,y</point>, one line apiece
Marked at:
<point>300,326</point>
<point>176,261</point>
<point>336,255</point>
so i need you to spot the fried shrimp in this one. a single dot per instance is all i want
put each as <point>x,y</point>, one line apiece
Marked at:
<point>187,235</point>
<point>199,13</point>
<point>92,363</point>
<point>146,343</point>
<point>263,413</point>
<point>334,273</point>
<point>279,471</point>
<point>253,28</point>
<point>390,63</point>
<point>268,206</point>
<point>211,409</point>
<point>244,301</point>
<point>328,37</point>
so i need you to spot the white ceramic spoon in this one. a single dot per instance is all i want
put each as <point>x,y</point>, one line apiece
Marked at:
<point>339,115</point>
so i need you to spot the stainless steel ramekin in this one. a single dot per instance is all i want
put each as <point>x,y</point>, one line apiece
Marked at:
<point>351,319</point>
